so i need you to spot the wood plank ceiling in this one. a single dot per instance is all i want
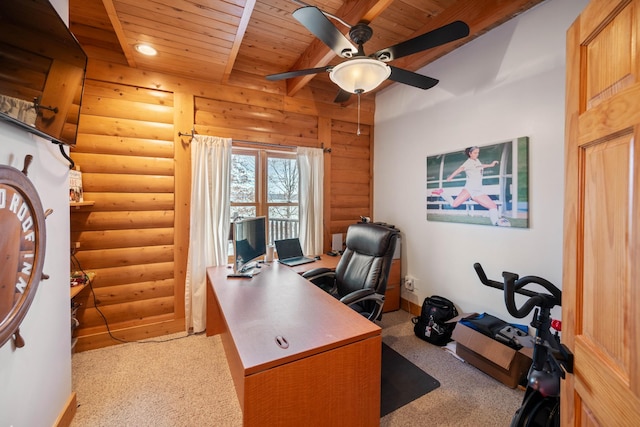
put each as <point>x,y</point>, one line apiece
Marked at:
<point>238,42</point>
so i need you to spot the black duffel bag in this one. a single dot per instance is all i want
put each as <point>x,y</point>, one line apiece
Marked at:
<point>432,325</point>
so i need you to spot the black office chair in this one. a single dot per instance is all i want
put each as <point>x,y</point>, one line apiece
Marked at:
<point>360,278</point>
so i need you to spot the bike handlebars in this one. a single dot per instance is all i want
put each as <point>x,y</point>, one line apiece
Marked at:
<point>513,284</point>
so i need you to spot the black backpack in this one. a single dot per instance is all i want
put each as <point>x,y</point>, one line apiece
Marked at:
<point>432,325</point>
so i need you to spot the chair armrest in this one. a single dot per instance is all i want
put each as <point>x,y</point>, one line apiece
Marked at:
<point>319,272</point>
<point>366,295</point>
<point>322,277</point>
<point>357,296</point>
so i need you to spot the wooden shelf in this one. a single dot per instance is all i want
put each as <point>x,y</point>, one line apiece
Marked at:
<point>75,290</point>
<point>78,205</point>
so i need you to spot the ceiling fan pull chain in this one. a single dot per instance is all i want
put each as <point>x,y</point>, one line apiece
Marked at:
<point>358,131</point>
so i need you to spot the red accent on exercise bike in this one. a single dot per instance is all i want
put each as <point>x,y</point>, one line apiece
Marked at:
<point>556,324</point>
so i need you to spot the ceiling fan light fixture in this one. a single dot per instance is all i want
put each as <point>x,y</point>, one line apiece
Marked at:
<point>359,75</point>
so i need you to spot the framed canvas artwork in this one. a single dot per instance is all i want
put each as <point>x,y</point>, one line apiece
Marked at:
<point>485,185</point>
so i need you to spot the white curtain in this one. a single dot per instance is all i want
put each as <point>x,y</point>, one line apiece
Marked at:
<point>311,169</point>
<point>210,176</point>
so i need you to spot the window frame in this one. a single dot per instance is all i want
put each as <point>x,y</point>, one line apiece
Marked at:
<point>262,204</point>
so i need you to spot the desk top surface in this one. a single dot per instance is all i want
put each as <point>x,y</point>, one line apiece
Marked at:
<point>278,305</point>
<point>325,261</point>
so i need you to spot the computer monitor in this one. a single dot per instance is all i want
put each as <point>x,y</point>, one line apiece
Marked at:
<point>249,241</point>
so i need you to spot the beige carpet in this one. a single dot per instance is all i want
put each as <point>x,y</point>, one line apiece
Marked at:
<point>186,382</point>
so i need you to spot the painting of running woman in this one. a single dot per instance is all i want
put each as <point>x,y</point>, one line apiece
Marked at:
<point>486,185</point>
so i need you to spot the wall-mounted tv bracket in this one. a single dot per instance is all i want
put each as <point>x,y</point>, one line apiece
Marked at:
<point>72,164</point>
<point>38,107</point>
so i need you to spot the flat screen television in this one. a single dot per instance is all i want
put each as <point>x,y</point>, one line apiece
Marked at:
<point>249,241</point>
<point>42,70</point>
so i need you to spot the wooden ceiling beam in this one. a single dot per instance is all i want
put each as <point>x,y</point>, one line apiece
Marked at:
<point>117,27</point>
<point>242,28</point>
<point>318,54</point>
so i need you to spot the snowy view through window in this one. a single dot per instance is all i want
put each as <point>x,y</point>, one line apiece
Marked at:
<point>266,188</point>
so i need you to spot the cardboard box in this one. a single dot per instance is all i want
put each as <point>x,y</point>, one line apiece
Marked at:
<point>502,362</point>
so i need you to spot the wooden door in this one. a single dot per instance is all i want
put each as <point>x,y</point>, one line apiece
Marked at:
<point>601,275</point>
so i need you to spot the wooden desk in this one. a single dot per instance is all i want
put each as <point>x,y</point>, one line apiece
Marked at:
<point>327,373</point>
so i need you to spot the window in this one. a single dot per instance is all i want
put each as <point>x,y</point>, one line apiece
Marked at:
<point>265,183</point>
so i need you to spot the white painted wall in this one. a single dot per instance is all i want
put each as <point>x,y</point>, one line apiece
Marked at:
<point>36,379</point>
<point>505,84</point>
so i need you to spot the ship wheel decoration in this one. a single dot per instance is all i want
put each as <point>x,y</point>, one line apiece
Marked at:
<point>22,248</point>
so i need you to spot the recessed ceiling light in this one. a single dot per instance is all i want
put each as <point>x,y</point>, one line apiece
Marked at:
<point>145,49</point>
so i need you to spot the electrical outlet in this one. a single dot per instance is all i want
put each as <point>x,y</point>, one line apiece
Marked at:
<point>409,283</point>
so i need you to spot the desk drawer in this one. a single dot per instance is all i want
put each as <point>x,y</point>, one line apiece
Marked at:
<point>392,295</point>
<point>391,299</point>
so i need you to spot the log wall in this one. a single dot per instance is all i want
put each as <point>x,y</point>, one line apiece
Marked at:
<point>125,149</point>
<point>137,171</point>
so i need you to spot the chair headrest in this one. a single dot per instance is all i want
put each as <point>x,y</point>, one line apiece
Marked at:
<point>370,239</point>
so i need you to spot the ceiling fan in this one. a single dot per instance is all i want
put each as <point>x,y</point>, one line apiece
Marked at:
<point>361,73</point>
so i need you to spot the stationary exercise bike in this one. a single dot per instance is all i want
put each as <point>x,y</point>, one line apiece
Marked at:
<point>551,359</point>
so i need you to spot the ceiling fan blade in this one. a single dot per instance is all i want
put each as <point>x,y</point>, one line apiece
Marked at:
<point>445,34</point>
<point>412,79</point>
<point>342,96</point>
<point>316,22</point>
<point>297,73</point>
